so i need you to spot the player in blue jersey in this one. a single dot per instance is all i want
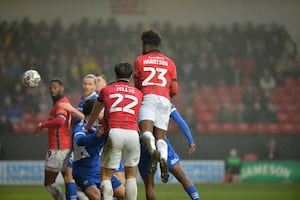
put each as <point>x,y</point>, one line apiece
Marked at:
<point>173,162</point>
<point>89,86</point>
<point>86,161</point>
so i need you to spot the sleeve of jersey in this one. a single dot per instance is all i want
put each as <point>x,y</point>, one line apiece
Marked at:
<point>182,125</point>
<point>54,123</point>
<point>136,75</point>
<point>82,140</point>
<point>174,87</point>
<point>174,83</point>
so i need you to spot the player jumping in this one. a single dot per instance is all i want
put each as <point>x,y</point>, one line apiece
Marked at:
<point>155,75</point>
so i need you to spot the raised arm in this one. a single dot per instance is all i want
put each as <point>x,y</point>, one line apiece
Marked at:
<point>181,123</point>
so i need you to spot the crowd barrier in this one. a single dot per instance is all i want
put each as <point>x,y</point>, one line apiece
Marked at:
<point>198,171</point>
<point>32,172</point>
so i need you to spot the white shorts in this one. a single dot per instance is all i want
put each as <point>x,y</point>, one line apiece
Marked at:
<point>157,109</point>
<point>57,160</point>
<point>121,144</point>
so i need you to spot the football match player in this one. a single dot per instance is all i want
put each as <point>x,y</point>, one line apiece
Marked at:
<point>155,75</point>
<point>59,139</point>
<point>121,102</point>
<point>101,82</point>
<point>89,85</point>
<point>174,164</point>
<point>86,165</point>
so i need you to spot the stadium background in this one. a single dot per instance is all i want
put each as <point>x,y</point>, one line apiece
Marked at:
<point>180,17</point>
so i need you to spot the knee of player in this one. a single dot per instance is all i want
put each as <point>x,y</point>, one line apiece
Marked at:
<point>150,194</point>
<point>95,196</point>
<point>119,192</point>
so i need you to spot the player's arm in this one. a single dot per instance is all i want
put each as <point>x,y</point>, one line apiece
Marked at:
<point>174,82</point>
<point>136,75</point>
<point>74,111</point>
<point>184,128</point>
<point>56,122</point>
<point>82,139</point>
<point>98,106</point>
<point>173,87</point>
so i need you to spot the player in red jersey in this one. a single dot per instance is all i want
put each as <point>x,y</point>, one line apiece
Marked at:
<point>59,139</point>
<point>121,102</point>
<point>155,75</point>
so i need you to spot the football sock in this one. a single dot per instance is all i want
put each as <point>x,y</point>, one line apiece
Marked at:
<point>71,192</point>
<point>149,141</point>
<point>162,147</point>
<point>106,189</point>
<point>81,196</point>
<point>193,193</point>
<point>131,189</point>
<point>56,192</point>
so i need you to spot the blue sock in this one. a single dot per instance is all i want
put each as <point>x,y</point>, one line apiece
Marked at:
<point>193,193</point>
<point>71,192</point>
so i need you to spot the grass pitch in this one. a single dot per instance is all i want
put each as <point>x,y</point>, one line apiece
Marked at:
<point>176,192</point>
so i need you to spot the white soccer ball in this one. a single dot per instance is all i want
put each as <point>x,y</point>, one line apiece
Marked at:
<point>31,78</point>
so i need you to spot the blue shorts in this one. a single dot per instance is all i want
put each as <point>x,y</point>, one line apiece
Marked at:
<point>85,181</point>
<point>70,160</point>
<point>121,167</point>
<point>145,159</point>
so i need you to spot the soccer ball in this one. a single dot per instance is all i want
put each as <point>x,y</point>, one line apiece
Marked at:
<point>31,78</point>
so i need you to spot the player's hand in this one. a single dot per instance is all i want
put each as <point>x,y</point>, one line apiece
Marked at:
<point>192,148</point>
<point>87,128</point>
<point>100,130</point>
<point>38,130</point>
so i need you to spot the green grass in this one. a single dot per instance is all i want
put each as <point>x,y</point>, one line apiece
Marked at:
<point>176,192</point>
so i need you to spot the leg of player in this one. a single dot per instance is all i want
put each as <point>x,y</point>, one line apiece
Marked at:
<point>144,170</point>
<point>93,193</point>
<point>130,183</point>
<point>53,188</point>
<point>179,174</point>
<point>118,187</point>
<point>106,184</point>
<point>162,147</point>
<point>120,173</point>
<point>146,127</point>
<point>81,195</point>
<point>71,192</point>
<point>149,186</point>
<point>148,140</point>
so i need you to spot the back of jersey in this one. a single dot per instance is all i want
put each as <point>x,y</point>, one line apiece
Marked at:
<point>153,73</point>
<point>122,102</point>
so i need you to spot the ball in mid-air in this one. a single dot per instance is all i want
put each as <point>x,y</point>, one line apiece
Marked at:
<point>31,78</point>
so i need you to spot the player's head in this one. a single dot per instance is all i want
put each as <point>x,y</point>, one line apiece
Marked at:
<point>101,81</point>
<point>88,106</point>
<point>89,84</point>
<point>151,40</point>
<point>56,87</point>
<point>123,71</point>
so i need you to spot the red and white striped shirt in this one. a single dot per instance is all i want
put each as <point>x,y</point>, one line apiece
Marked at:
<point>122,102</point>
<point>154,73</point>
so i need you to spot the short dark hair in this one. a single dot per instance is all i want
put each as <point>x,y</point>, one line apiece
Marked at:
<point>57,80</point>
<point>88,106</point>
<point>151,37</point>
<point>101,75</point>
<point>123,70</point>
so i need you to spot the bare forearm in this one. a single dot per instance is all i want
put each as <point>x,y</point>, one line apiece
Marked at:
<point>94,114</point>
